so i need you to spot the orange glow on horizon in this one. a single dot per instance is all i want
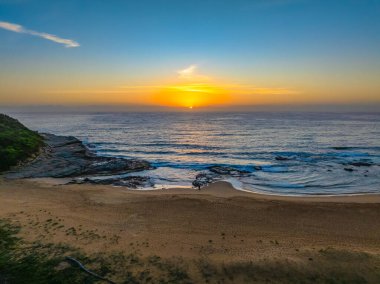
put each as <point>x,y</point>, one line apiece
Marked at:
<point>191,95</point>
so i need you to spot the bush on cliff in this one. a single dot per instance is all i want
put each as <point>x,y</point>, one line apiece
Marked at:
<point>17,143</point>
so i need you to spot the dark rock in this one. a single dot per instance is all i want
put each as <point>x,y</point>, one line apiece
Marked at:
<point>203,179</point>
<point>115,165</point>
<point>225,170</point>
<point>91,146</point>
<point>341,148</point>
<point>360,164</point>
<point>281,158</point>
<point>66,156</point>
<point>129,181</point>
<point>348,169</point>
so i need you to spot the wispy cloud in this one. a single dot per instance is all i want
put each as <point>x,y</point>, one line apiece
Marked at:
<point>11,27</point>
<point>191,73</point>
<point>20,29</point>
<point>188,72</point>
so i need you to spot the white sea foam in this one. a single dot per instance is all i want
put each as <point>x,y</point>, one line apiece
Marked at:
<point>285,154</point>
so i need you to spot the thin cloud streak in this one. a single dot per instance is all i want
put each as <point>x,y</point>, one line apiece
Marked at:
<point>20,29</point>
<point>191,73</point>
<point>188,72</point>
<point>11,27</point>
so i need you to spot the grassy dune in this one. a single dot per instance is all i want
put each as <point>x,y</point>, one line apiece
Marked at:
<point>17,143</point>
<point>23,262</point>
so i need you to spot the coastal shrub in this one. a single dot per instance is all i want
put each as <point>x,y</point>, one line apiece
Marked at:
<point>37,263</point>
<point>17,143</point>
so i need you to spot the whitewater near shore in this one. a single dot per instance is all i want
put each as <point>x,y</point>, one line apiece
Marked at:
<point>276,153</point>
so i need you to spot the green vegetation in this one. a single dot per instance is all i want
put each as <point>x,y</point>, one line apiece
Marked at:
<point>37,262</point>
<point>327,266</point>
<point>34,263</point>
<point>17,143</point>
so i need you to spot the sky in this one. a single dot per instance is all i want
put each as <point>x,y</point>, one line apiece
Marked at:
<point>190,54</point>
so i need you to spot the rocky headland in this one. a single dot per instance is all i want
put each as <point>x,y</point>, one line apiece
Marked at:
<point>68,157</point>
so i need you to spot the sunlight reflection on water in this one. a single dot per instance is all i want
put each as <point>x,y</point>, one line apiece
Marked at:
<point>315,149</point>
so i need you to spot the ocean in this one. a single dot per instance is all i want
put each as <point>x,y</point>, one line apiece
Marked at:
<point>283,153</point>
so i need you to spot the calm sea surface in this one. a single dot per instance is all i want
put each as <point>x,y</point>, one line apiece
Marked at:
<point>315,151</point>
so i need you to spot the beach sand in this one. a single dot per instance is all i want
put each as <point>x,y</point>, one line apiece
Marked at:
<point>218,225</point>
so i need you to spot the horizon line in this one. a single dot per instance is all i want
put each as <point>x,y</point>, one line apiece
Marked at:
<point>365,107</point>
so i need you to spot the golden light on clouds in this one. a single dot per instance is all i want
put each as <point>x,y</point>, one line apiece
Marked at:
<point>189,89</point>
<point>191,95</point>
<point>198,90</point>
<point>190,73</point>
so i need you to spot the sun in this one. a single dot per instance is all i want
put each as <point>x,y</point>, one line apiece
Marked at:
<point>191,95</point>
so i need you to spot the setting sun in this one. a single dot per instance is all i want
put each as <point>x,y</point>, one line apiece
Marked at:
<point>191,95</point>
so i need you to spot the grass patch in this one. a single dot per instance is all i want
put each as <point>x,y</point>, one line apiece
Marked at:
<point>38,262</point>
<point>17,143</point>
<point>330,266</point>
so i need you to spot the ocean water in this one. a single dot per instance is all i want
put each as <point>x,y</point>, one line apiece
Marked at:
<point>297,153</point>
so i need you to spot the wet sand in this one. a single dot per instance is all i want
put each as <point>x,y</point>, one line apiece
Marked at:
<point>218,223</point>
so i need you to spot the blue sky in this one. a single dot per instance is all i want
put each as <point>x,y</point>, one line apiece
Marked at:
<point>318,48</point>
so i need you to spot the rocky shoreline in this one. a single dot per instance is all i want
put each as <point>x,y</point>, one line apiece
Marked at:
<point>68,157</point>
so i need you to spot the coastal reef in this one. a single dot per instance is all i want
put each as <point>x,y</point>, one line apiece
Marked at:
<point>66,156</point>
<point>216,173</point>
<point>28,154</point>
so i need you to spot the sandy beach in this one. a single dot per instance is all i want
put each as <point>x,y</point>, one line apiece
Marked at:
<point>219,224</point>
<point>181,142</point>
